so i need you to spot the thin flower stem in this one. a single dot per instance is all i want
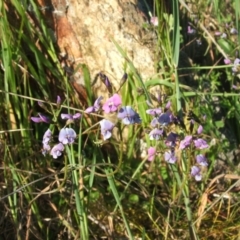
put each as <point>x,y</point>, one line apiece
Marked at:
<point>185,191</point>
<point>81,210</point>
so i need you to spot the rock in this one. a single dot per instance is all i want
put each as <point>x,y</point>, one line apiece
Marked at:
<point>85,31</point>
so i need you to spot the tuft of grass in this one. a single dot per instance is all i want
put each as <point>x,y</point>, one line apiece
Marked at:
<point>104,189</point>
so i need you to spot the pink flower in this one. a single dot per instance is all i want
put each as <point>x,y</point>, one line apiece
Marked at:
<point>151,153</point>
<point>191,30</point>
<point>168,105</point>
<point>227,61</point>
<point>112,104</point>
<point>200,129</point>
<point>217,33</point>
<point>154,21</point>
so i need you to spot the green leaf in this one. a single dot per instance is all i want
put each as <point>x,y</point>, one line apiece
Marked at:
<point>133,198</point>
<point>225,45</point>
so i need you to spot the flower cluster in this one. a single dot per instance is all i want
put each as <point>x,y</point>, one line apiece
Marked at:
<point>196,170</point>
<point>68,135</point>
<point>236,64</point>
<point>162,120</point>
<point>159,123</point>
<point>228,31</point>
<point>124,113</point>
<point>174,143</point>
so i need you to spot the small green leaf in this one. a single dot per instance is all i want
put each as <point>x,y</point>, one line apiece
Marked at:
<point>133,198</point>
<point>219,124</point>
<point>225,45</point>
<point>94,196</point>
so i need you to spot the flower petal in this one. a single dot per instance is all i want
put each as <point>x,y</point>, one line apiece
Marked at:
<point>67,136</point>
<point>106,128</point>
<point>66,116</point>
<point>151,153</point>
<point>57,150</point>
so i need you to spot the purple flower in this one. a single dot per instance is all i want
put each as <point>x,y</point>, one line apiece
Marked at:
<point>70,116</point>
<point>155,134</point>
<point>57,150</point>
<point>154,122</point>
<point>200,129</point>
<point>200,143</point>
<point>224,35</point>
<point>112,104</point>
<point>58,100</point>
<point>233,31</point>
<point>196,173</point>
<point>67,136</point>
<point>151,153</point>
<point>128,115</point>
<point>41,118</point>
<point>170,157</point>
<point>185,142</point>
<point>106,81</point>
<point>154,111</point>
<point>168,105</point>
<point>171,139</point>
<point>47,137</point>
<point>237,61</point>
<point>190,30</point>
<point>201,160</point>
<point>165,118</point>
<point>236,65</point>
<point>46,148</point>
<point>96,106</point>
<point>106,128</point>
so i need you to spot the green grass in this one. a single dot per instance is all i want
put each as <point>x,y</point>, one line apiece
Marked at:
<point>109,189</point>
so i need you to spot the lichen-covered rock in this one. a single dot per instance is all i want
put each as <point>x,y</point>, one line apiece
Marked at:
<point>85,31</point>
